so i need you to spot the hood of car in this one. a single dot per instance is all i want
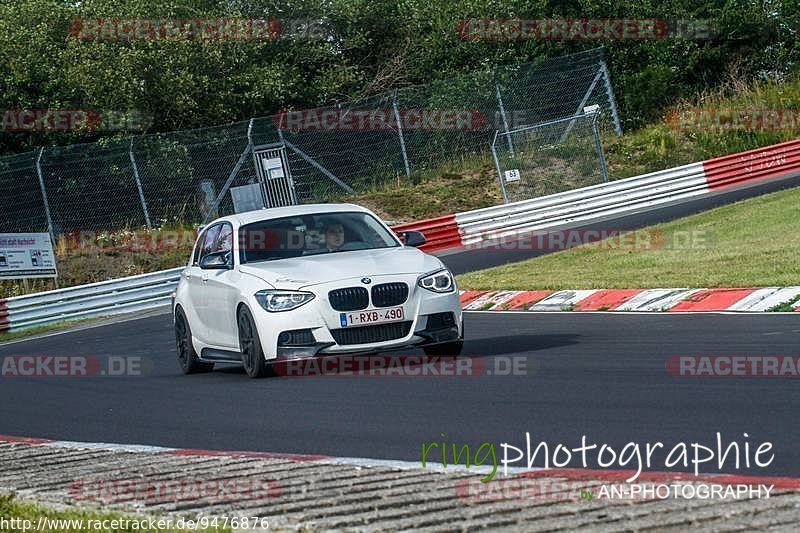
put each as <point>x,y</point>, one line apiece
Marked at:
<point>297,273</point>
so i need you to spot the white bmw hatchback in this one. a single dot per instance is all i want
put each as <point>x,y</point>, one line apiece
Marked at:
<point>308,281</point>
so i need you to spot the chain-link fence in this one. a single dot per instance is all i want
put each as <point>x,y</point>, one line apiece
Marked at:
<point>551,157</point>
<point>325,154</point>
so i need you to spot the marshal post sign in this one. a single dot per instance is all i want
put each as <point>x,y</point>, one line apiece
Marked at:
<point>26,255</point>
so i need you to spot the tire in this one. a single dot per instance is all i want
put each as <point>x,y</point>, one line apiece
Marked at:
<point>446,348</point>
<point>187,357</point>
<point>252,355</point>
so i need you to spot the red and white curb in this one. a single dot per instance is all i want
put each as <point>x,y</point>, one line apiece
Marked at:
<point>784,483</point>
<point>635,300</point>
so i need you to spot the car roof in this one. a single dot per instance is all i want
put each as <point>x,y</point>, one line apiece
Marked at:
<point>248,217</point>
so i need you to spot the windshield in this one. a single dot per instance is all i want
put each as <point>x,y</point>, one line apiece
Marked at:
<point>314,234</point>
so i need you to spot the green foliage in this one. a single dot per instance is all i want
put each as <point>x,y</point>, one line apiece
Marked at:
<point>368,47</point>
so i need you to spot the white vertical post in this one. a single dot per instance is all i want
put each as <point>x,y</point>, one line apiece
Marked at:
<point>611,100</point>
<point>497,166</point>
<point>44,197</point>
<point>139,186</point>
<point>503,116</point>
<point>400,133</point>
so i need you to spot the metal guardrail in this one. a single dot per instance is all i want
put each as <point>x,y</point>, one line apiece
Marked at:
<point>589,203</point>
<point>753,165</point>
<point>440,233</point>
<point>105,298</point>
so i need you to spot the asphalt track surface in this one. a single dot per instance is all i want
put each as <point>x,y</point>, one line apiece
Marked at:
<point>599,375</point>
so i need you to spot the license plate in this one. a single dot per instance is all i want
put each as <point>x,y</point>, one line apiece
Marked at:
<point>374,316</point>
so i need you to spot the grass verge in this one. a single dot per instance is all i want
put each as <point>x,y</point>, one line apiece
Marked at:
<point>11,335</point>
<point>17,516</point>
<point>752,243</point>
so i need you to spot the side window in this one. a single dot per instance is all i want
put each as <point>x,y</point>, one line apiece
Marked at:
<point>224,241</point>
<point>210,240</point>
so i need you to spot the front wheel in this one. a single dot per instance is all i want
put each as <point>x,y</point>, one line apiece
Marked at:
<point>187,357</point>
<point>252,355</point>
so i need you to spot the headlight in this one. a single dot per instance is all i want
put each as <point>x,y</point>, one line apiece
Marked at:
<point>439,281</point>
<point>276,301</point>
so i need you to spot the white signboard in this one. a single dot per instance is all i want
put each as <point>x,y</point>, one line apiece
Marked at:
<point>511,175</point>
<point>247,198</point>
<point>273,167</point>
<point>26,255</point>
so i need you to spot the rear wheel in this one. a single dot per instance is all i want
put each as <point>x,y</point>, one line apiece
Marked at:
<point>252,355</point>
<point>187,357</point>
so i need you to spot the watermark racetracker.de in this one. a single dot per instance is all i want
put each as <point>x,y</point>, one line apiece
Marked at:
<point>752,119</point>
<point>733,366</point>
<point>196,29</point>
<point>148,491</point>
<point>402,366</point>
<point>638,240</point>
<point>72,366</point>
<point>584,29</point>
<point>66,120</point>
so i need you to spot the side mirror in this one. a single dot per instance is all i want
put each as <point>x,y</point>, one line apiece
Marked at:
<point>216,261</point>
<point>413,238</point>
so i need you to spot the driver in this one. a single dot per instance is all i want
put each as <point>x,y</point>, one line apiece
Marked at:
<point>334,236</point>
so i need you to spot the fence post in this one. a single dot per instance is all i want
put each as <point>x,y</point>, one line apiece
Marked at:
<point>497,166</point>
<point>611,101</point>
<point>599,147</point>
<point>139,186</point>
<point>400,132</point>
<point>44,196</point>
<point>582,104</point>
<point>247,150</point>
<point>503,115</point>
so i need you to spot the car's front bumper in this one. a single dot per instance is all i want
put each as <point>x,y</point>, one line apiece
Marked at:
<point>320,318</point>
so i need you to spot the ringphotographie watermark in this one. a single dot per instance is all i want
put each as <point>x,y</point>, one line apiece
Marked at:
<point>733,366</point>
<point>72,366</point>
<point>555,489</point>
<point>633,457</point>
<point>584,29</point>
